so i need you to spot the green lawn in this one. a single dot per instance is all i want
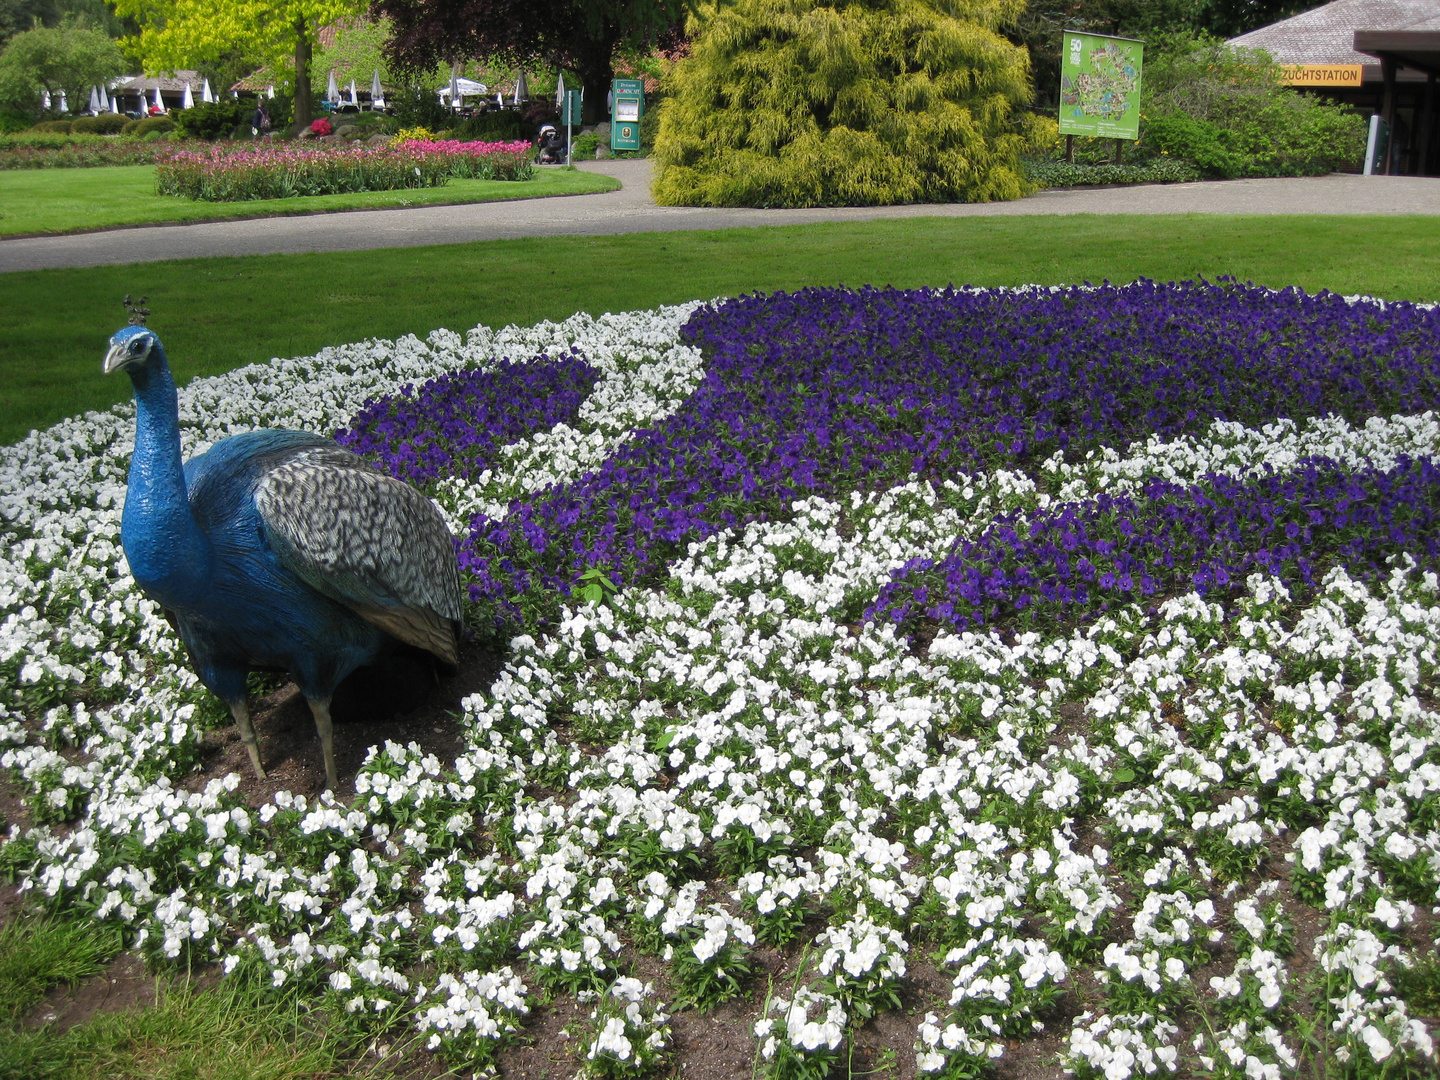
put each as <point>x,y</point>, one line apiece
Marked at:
<point>215,314</point>
<point>82,200</point>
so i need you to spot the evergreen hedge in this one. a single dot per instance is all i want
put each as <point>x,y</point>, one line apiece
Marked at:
<point>849,103</point>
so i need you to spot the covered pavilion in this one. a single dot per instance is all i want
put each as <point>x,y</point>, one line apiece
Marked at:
<point>1381,56</point>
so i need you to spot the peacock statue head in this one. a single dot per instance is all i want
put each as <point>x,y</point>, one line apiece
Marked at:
<point>131,349</point>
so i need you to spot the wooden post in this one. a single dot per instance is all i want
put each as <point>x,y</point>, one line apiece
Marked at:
<point>1070,149</point>
<point>1427,121</point>
<point>1118,143</point>
<point>1387,109</point>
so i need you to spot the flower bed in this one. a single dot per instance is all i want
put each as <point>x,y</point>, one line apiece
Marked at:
<point>242,172</point>
<point>1186,829</point>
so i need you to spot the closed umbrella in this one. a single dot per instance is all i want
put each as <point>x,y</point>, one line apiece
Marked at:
<point>187,100</point>
<point>522,92</point>
<point>45,100</point>
<point>560,90</point>
<point>159,101</point>
<point>332,92</point>
<point>115,103</point>
<point>454,87</point>
<point>104,100</point>
<point>94,101</point>
<point>377,96</point>
<point>205,94</point>
<point>64,105</point>
<point>499,100</point>
<point>270,93</point>
<point>353,99</point>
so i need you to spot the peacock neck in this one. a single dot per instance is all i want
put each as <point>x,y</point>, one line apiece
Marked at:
<point>167,551</point>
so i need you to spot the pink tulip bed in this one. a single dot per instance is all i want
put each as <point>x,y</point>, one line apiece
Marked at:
<point>237,174</point>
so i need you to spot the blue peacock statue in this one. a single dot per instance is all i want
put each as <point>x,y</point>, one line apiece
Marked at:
<point>277,550</point>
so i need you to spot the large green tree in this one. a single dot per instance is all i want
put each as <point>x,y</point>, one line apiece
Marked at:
<point>71,57</point>
<point>199,33</point>
<point>846,102</point>
<point>572,35</point>
<point>20,15</point>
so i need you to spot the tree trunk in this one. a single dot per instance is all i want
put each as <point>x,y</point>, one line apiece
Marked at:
<point>304,104</point>
<point>597,70</point>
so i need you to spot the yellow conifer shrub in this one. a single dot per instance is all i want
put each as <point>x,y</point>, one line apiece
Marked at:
<point>846,103</point>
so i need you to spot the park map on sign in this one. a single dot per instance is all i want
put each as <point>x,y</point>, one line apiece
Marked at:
<point>1099,86</point>
<point>1105,89</point>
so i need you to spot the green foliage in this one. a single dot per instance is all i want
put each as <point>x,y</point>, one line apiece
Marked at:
<point>596,587</point>
<point>71,57</point>
<point>104,124</point>
<point>416,105</point>
<point>353,53</point>
<point>495,127</point>
<point>1160,170</point>
<point>54,127</point>
<point>140,128</point>
<point>583,147</point>
<point>38,953</point>
<point>223,1031</point>
<point>211,120</point>
<point>864,102</point>
<point>1227,111</point>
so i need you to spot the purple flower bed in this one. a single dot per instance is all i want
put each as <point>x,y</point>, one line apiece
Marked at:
<point>1172,539</point>
<point>455,425</point>
<point>831,390</point>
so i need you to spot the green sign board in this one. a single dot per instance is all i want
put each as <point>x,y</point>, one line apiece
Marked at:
<point>627,107</point>
<point>570,114</point>
<point>1100,86</point>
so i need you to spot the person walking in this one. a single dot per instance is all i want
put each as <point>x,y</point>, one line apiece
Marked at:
<point>260,121</point>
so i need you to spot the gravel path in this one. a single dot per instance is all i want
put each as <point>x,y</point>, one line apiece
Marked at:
<point>631,210</point>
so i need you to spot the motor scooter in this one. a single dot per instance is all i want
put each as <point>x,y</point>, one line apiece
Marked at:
<point>550,149</point>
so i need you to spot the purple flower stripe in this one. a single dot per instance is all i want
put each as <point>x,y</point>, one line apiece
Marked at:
<point>456,425</point>
<point>1084,557</point>
<point>831,390</point>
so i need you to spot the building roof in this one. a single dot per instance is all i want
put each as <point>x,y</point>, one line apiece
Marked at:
<point>167,83</point>
<point>1326,35</point>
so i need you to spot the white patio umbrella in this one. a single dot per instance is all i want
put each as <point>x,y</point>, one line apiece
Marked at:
<point>332,92</point>
<point>205,94</point>
<point>187,100</point>
<point>64,105</point>
<point>499,99</point>
<point>104,100</point>
<point>270,93</point>
<point>454,86</point>
<point>45,100</point>
<point>560,90</point>
<point>353,99</point>
<point>522,91</point>
<point>377,95</point>
<point>94,101</point>
<point>115,103</point>
<point>159,101</point>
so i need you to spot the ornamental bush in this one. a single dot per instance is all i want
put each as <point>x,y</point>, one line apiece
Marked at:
<point>211,120</point>
<point>853,103</point>
<point>1225,110</point>
<point>104,124</point>
<point>141,128</point>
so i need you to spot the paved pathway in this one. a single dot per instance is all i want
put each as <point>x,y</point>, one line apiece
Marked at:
<point>631,210</point>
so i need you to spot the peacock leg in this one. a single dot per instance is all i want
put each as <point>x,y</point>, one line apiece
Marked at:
<point>241,713</point>
<point>320,707</point>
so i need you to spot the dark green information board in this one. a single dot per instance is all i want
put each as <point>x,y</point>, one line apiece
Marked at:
<point>627,108</point>
<point>1100,85</point>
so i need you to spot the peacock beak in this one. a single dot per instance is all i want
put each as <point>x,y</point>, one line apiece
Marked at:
<point>115,357</point>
